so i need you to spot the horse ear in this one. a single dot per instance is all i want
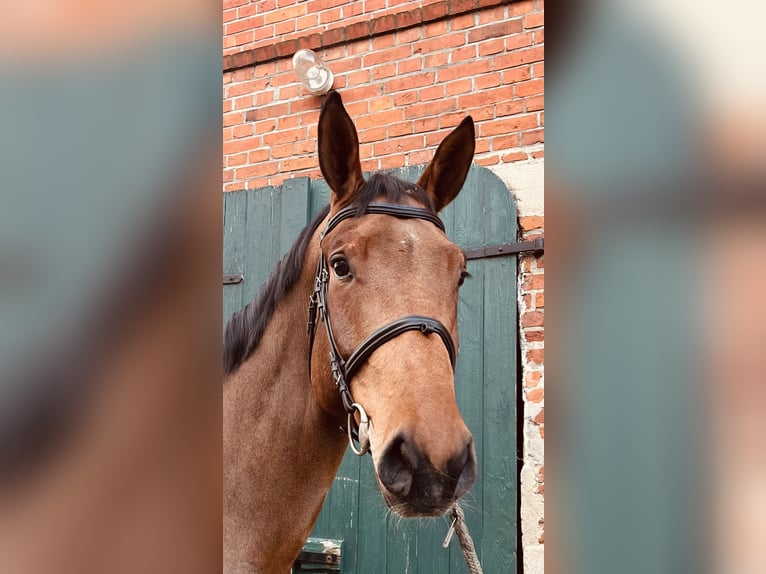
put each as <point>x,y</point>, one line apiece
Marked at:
<point>443,178</point>
<point>339,150</point>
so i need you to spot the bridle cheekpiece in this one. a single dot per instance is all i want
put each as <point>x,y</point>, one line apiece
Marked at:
<point>343,370</point>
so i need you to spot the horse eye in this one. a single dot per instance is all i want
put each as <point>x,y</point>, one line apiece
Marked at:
<point>463,275</point>
<point>340,267</point>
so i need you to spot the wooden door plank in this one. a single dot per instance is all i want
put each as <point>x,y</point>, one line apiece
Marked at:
<point>234,225</point>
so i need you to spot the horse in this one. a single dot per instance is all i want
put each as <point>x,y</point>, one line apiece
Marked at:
<point>376,280</point>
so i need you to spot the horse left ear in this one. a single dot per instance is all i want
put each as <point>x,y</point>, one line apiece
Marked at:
<point>339,150</point>
<point>443,178</point>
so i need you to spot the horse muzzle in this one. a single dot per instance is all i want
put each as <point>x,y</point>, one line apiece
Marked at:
<point>413,487</point>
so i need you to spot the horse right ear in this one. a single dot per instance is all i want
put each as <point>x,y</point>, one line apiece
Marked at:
<point>339,150</point>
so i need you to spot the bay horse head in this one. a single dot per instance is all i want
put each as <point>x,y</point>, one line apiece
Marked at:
<point>387,291</point>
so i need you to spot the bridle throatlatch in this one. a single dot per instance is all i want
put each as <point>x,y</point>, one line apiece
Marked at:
<point>343,370</point>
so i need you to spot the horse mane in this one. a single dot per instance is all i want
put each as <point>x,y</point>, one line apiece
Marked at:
<point>245,329</point>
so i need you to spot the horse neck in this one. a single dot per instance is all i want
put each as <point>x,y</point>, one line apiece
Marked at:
<point>281,449</point>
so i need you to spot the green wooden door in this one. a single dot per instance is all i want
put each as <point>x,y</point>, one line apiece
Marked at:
<point>374,540</point>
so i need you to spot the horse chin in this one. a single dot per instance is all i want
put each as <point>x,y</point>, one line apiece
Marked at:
<point>413,507</point>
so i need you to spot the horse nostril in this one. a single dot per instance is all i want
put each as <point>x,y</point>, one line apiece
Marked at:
<point>467,472</point>
<point>397,467</point>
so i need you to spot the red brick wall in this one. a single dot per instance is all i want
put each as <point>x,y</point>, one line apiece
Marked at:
<point>408,73</point>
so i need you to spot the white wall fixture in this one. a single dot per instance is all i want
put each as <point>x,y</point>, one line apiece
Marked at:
<point>312,72</point>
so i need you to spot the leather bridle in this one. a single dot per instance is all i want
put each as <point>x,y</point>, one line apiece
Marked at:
<point>343,370</point>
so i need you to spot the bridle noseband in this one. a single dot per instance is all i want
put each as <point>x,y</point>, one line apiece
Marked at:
<point>343,370</point>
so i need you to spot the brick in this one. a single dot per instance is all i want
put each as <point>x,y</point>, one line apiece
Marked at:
<point>538,70</point>
<point>275,138</point>
<point>242,131</point>
<point>463,54</point>
<point>395,54</point>
<point>431,108</point>
<point>352,9</point>
<point>491,160</point>
<point>493,14</point>
<point>519,8</point>
<point>307,21</point>
<point>534,103</point>
<point>515,156</point>
<point>462,22</point>
<point>506,142</point>
<point>534,336</point>
<point>515,75</point>
<point>306,146</point>
<point>533,282</point>
<point>360,78</point>
<point>486,81</point>
<point>260,170</point>
<point>486,97</point>
<point>286,14</point>
<point>452,119</point>
<point>518,58</point>
<point>405,98</point>
<point>466,70</point>
<point>434,29</point>
<point>440,43</point>
<point>392,161</point>
<point>532,378</point>
<point>434,11</point>
<point>297,163</point>
<point>423,125</point>
<point>534,20</point>
<point>381,72</point>
<point>383,24</point>
<point>408,19</point>
<point>282,28</point>
<point>533,137</point>
<point>397,145</point>
<point>379,119</point>
<point>432,93</point>
<point>373,135</point>
<point>406,36</point>
<point>362,93</point>
<point>287,122</point>
<point>380,104</point>
<point>436,60</point>
<point>236,159</point>
<point>530,88</point>
<point>509,108</point>
<point>409,82</point>
<point>533,319</point>
<point>458,87</point>
<point>237,26</point>
<point>410,65</point>
<point>491,47</point>
<point>538,154</point>
<point>334,36</point>
<point>535,395</point>
<point>232,119</point>
<point>540,300</point>
<point>539,36</point>
<point>459,6</point>
<point>357,31</point>
<point>400,129</point>
<point>385,41</point>
<point>482,146</point>
<point>497,30</point>
<point>506,126</point>
<point>419,157</point>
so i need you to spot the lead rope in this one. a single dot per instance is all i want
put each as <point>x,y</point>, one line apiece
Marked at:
<point>464,538</point>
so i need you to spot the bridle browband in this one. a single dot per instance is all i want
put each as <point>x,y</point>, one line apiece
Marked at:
<point>343,370</point>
